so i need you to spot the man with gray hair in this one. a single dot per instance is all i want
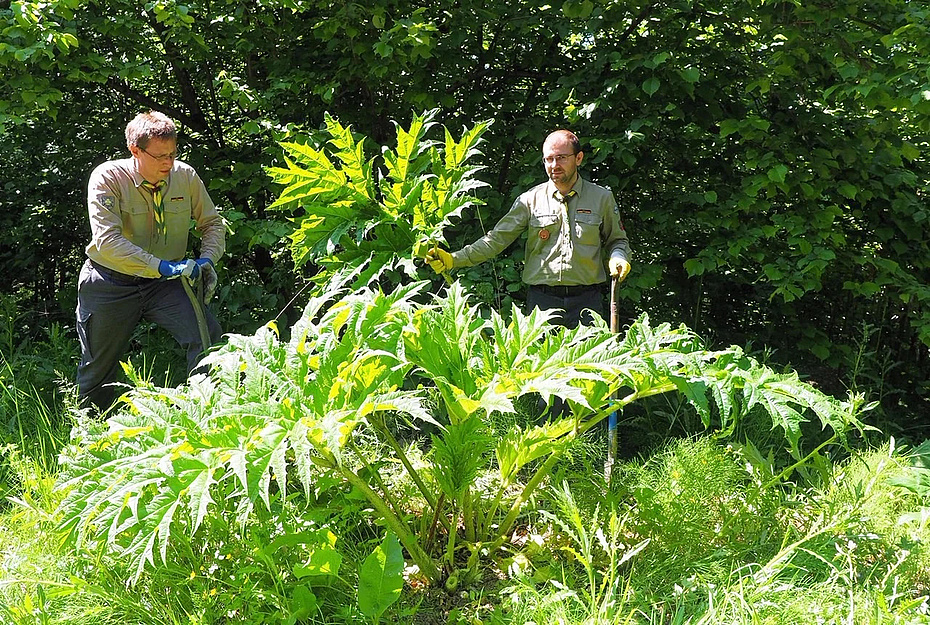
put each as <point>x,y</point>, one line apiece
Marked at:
<point>140,211</point>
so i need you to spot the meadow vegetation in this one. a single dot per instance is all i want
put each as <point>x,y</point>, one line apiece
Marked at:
<point>388,458</point>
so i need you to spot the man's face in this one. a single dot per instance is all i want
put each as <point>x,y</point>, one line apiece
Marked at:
<point>156,159</point>
<point>560,160</point>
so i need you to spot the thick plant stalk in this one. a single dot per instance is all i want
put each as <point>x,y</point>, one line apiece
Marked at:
<point>436,519</point>
<point>450,544</point>
<point>392,442</point>
<point>524,496</point>
<point>392,502</point>
<point>468,515</point>
<point>427,567</point>
<point>550,462</point>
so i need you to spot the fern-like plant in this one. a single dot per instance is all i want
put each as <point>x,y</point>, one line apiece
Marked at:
<point>354,212</point>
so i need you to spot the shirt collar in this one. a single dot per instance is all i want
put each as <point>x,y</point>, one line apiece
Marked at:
<point>137,178</point>
<point>136,175</point>
<point>554,192</point>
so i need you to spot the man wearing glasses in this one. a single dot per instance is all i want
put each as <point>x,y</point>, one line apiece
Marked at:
<point>140,211</point>
<point>570,224</point>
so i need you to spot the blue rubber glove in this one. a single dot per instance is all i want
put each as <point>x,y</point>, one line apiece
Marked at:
<point>177,268</point>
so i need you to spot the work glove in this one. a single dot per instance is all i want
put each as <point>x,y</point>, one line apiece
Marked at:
<point>439,260</point>
<point>619,268</point>
<point>209,280</point>
<point>179,268</point>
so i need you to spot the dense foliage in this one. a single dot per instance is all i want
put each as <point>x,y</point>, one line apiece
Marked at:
<point>766,155</point>
<point>372,443</point>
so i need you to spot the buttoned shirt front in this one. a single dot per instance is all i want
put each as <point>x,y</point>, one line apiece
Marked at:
<point>123,233</point>
<point>566,238</point>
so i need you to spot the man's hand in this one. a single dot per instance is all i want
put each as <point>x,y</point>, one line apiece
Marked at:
<point>619,268</point>
<point>179,268</point>
<point>439,260</point>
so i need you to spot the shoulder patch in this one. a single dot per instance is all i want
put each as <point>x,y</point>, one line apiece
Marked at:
<point>108,202</point>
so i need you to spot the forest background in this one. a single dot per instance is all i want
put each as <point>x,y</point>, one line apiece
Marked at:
<point>768,157</point>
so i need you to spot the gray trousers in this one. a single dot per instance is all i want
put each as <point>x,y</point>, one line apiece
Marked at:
<point>572,305</point>
<point>110,305</point>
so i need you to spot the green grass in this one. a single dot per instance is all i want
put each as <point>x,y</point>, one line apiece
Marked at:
<point>851,551</point>
<point>694,531</point>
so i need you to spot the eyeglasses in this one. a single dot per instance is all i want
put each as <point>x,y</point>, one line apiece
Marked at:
<point>558,159</point>
<point>170,156</point>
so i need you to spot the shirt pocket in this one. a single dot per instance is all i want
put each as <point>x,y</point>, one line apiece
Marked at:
<point>542,222</point>
<point>543,230</point>
<point>136,218</point>
<point>588,228</point>
<point>178,213</point>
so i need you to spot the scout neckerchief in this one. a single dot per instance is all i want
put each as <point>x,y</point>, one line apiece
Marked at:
<point>158,203</point>
<point>563,198</point>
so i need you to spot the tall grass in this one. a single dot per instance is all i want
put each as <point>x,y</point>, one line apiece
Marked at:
<point>855,550</point>
<point>37,365</point>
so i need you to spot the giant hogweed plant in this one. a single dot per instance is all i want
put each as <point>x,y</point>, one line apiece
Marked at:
<point>369,214</point>
<point>280,421</point>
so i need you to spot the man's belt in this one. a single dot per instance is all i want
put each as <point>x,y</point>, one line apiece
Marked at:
<point>116,276</point>
<point>567,291</point>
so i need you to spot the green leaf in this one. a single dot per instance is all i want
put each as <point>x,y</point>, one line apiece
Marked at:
<point>728,127</point>
<point>847,190</point>
<point>519,447</point>
<point>577,8</point>
<point>691,74</point>
<point>381,578</point>
<point>324,559</point>
<point>694,266</point>
<point>910,151</point>
<point>651,85</point>
<point>303,604</point>
<point>777,173</point>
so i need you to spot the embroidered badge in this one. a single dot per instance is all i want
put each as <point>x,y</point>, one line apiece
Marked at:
<point>177,198</point>
<point>584,211</point>
<point>543,234</point>
<point>108,202</point>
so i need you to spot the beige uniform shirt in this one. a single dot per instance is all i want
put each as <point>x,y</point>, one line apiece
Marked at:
<point>566,241</point>
<point>122,218</point>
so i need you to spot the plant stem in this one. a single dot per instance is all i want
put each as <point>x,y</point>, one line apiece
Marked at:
<point>377,478</point>
<point>450,545</point>
<point>427,567</point>
<point>435,522</point>
<point>787,471</point>
<point>392,442</point>
<point>547,466</point>
<point>537,478</point>
<point>468,516</point>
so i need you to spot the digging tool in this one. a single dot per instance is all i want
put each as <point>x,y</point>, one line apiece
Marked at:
<point>196,297</point>
<point>612,419</point>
